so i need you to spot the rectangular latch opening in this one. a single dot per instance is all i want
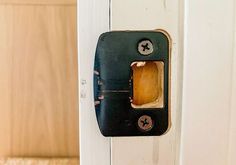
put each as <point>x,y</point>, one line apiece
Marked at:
<point>148,84</point>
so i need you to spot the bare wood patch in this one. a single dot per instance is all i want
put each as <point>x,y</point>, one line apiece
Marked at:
<point>148,80</point>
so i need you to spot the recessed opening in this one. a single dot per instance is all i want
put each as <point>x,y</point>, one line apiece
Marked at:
<point>148,84</point>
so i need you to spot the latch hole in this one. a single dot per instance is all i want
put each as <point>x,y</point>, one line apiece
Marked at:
<point>148,84</point>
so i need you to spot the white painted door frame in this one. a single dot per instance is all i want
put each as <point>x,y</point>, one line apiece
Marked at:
<point>203,56</point>
<point>150,15</point>
<point>93,19</point>
<point>208,101</point>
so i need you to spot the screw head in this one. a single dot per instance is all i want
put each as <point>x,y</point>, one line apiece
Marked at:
<point>145,123</point>
<point>145,47</point>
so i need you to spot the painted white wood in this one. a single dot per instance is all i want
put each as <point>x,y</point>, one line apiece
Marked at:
<point>207,84</point>
<point>150,15</point>
<point>208,129</point>
<point>93,19</point>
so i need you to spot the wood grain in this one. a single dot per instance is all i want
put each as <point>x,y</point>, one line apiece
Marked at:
<point>38,2</point>
<point>38,81</point>
<point>39,161</point>
<point>148,80</point>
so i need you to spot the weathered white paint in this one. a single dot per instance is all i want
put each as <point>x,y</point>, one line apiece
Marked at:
<point>208,129</point>
<point>150,15</point>
<point>208,57</point>
<point>93,19</point>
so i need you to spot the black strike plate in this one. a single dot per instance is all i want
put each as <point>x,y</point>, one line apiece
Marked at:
<point>113,83</point>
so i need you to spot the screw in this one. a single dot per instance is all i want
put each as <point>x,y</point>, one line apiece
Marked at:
<point>145,47</point>
<point>145,123</point>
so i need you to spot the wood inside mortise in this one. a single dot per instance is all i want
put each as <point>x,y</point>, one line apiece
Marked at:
<point>148,84</point>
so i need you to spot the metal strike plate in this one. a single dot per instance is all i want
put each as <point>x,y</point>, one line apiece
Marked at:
<point>132,83</point>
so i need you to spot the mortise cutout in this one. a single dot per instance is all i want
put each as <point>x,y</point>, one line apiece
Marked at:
<point>148,88</point>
